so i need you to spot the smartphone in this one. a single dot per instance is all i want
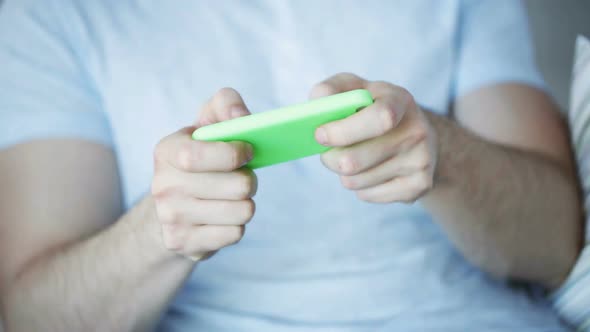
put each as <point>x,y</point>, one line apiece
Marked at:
<point>286,133</point>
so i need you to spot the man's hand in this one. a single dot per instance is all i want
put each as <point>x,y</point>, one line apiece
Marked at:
<point>387,151</point>
<point>505,194</point>
<point>202,195</point>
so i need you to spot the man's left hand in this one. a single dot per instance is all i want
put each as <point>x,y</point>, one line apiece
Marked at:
<point>386,152</point>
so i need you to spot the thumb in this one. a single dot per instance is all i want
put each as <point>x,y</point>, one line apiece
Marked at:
<point>225,105</point>
<point>336,84</point>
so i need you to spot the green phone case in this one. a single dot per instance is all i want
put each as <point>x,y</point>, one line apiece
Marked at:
<point>286,133</point>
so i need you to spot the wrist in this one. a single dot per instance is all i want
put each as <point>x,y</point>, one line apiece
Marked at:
<point>441,126</point>
<point>146,233</point>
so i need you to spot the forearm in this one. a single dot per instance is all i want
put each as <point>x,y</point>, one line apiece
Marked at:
<point>117,280</point>
<point>512,212</point>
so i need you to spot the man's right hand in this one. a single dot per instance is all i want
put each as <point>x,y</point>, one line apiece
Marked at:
<point>202,195</point>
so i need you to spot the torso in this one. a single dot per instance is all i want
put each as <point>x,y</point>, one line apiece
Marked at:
<point>314,255</point>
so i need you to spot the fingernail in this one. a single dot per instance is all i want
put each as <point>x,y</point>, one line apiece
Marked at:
<point>238,111</point>
<point>195,258</point>
<point>249,152</point>
<point>346,165</point>
<point>321,136</point>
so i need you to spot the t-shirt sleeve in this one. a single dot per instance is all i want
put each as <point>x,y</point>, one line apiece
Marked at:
<point>45,91</point>
<point>494,46</point>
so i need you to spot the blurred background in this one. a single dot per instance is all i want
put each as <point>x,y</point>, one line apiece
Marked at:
<point>555,24</point>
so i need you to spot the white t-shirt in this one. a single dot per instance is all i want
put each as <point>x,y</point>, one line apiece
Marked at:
<point>126,73</point>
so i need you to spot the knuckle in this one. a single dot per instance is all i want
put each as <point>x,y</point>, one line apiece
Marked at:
<point>420,132</point>
<point>235,159</point>
<point>225,236</point>
<point>248,211</point>
<point>424,182</point>
<point>347,76</point>
<point>406,97</point>
<point>324,89</point>
<point>364,196</point>
<point>348,182</point>
<point>172,237</point>
<point>423,160</point>
<point>203,119</point>
<point>406,198</point>
<point>225,92</point>
<point>210,243</point>
<point>348,164</point>
<point>160,193</point>
<point>186,155</point>
<point>388,118</point>
<point>382,85</point>
<point>327,159</point>
<point>166,213</point>
<point>330,160</point>
<point>234,235</point>
<point>171,244</point>
<point>409,98</point>
<point>424,164</point>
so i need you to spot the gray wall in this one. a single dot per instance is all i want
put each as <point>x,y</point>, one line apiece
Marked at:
<point>555,24</point>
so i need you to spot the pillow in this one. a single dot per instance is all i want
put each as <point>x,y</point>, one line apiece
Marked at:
<point>572,299</point>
